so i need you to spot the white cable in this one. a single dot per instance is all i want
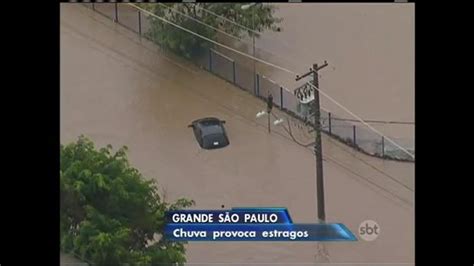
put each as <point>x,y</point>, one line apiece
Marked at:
<point>242,26</point>
<point>360,159</point>
<point>362,120</point>
<point>242,40</point>
<point>230,35</point>
<point>214,42</point>
<point>347,110</point>
<point>202,23</point>
<point>278,67</point>
<point>256,32</point>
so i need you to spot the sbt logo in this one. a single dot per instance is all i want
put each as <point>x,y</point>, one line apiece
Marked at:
<point>369,230</point>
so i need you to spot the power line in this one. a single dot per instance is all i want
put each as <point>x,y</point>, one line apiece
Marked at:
<point>345,150</point>
<point>325,157</point>
<point>361,120</point>
<point>295,141</point>
<point>372,166</point>
<point>289,131</point>
<point>203,23</point>
<point>367,179</point>
<point>278,67</point>
<point>239,39</point>
<point>242,40</point>
<point>374,121</point>
<point>352,120</point>
<point>336,162</point>
<point>244,27</point>
<point>214,42</point>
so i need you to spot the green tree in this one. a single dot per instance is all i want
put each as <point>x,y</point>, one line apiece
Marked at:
<point>110,214</point>
<point>258,17</point>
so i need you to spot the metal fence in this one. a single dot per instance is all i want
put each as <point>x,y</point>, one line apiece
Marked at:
<point>244,77</point>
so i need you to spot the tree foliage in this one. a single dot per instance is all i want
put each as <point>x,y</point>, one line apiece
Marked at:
<point>258,17</point>
<point>110,214</point>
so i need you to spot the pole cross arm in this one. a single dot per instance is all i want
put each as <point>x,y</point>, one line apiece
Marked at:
<point>312,71</point>
<point>323,66</point>
<point>304,75</point>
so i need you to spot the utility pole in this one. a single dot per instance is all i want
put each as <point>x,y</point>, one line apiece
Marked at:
<point>317,143</point>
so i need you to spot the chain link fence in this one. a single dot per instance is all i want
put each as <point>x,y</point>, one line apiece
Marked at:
<point>239,71</point>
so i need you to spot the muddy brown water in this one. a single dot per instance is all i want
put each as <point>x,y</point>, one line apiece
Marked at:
<point>370,52</point>
<point>117,88</point>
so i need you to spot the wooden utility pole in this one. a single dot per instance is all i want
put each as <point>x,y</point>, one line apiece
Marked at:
<point>317,143</point>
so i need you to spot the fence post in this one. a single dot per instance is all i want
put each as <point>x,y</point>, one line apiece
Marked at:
<point>233,70</point>
<point>258,85</point>
<point>281,97</point>
<point>210,59</point>
<point>329,122</point>
<point>354,134</point>
<point>254,83</point>
<point>116,12</point>
<point>139,23</point>
<point>383,146</point>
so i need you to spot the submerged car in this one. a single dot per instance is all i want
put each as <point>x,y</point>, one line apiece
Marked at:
<point>210,133</point>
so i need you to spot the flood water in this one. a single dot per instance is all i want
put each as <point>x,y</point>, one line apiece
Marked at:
<point>370,49</point>
<point>117,88</point>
